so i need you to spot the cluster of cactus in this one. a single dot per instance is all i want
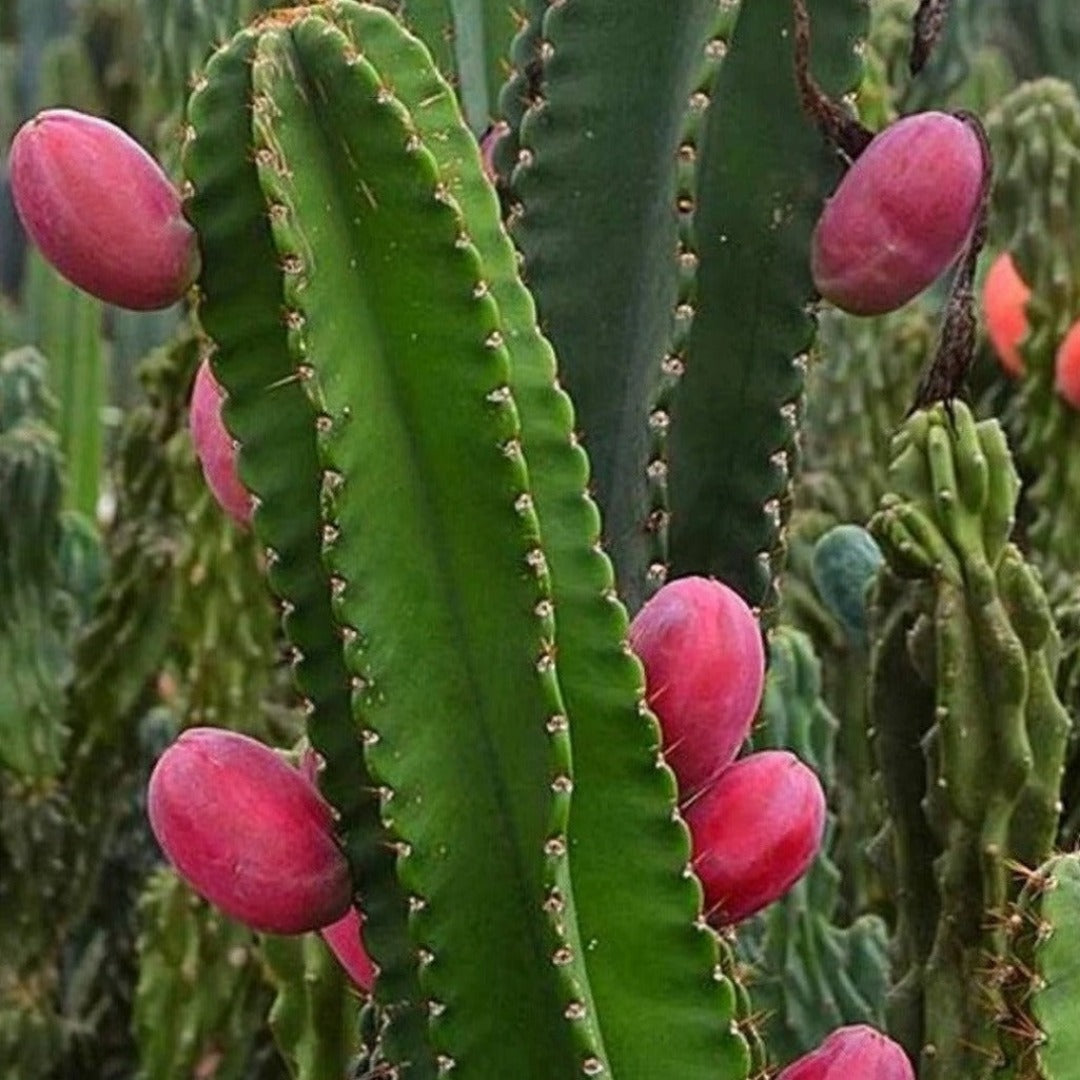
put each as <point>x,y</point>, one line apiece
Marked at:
<point>619,746</point>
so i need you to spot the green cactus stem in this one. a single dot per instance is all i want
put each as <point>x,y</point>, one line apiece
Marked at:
<point>995,750</point>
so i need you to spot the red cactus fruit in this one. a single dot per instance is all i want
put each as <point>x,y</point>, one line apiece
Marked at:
<point>1005,297</point>
<point>215,447</point>
<point>248,832</point>
<point>346,944</point>
<point>850,1052</point>
<point>488,144</point>
<point>1067,366</point>
<point>755,833</point>
<point>101,210</point>
<point>704,669</point>
<point>900,216</point>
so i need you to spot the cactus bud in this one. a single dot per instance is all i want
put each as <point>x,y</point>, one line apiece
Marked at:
<point>1005,297</point>
<point>900,216</point>
<point>755,832</point>
<point>344,939</point>
<point>248,832</point>
<point>101,210</point>
<point>1067,367</point>
<point>704,670</point>
<point>215,447</point>
<point>856,1051</point>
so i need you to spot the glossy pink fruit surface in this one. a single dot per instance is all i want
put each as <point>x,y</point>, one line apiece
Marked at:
<point>101,210</point>
<point>852,1053</point>
<point>345,942</point>
<point>215,447</point>
<point>248,832</point>
<point>704,664</point>
<point>900,216</point>
<point>755,832</point>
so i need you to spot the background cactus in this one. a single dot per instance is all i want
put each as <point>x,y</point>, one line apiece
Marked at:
<point>453,578</point>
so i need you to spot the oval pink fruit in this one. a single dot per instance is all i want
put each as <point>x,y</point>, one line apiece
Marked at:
<point>755,832</point>
<point>248,832</point>
<point>1005,297</point>
<point>346,943</point>
<point>704,670</point>
<point>101,210</point>
<point>850,1052</point>
<point>900,216</point>
<point>1067,366</point>
<point>215,447</point>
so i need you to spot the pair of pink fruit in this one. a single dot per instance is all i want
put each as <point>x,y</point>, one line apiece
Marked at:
<point>755,825</point>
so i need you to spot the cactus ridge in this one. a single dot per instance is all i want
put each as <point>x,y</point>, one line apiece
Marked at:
<point>239,310</point>
<point>651,951</point>
<point>397,382</point>
<point>732,436</point>
<point>588,181</point>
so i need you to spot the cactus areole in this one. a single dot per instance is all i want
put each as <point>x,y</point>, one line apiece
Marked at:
<point>248,832</point>
<point>101,210</point>
<point>900,216</point>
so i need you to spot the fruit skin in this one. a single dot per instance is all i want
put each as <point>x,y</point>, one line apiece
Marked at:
<point>900,216</point>
<point>1067,366</point>
<point>1005,297</point>
<point>248,832</point>
<point>215,447</point>
<point>345,942</point>
<point>101,210</point>
<point>704,672</point>
<point>755,832</point>
<point>850,1052</point>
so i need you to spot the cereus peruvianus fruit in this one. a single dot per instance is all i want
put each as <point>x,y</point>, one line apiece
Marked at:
<point>704,670</point>
<point>901,214</point>
<point>1067,366</point>
<point>755,832</point>
<point>345,942</point>
<point>101,210</point>
<point>1005,295</point>
<point>248,832</point>
<point>214,446</point>
<point>850,1052</point>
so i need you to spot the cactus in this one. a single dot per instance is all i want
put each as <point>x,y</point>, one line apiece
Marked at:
<point>991,784</point>
<point>479,403</point>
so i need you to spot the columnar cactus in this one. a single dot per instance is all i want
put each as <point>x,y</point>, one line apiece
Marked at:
<point>493,374</point>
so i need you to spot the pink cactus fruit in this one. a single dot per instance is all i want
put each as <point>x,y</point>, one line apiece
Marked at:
<point>704,670</point>
<point>1067,366</point>
<point>248,832</point>
<point>346,943</point>
<point>1005,295</point>
<point>900,216</point>
<point>755,832</point>
<point>215,447</point>
<point>488,143</point>
<point>852,1052</point>
<point>101,210</point>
